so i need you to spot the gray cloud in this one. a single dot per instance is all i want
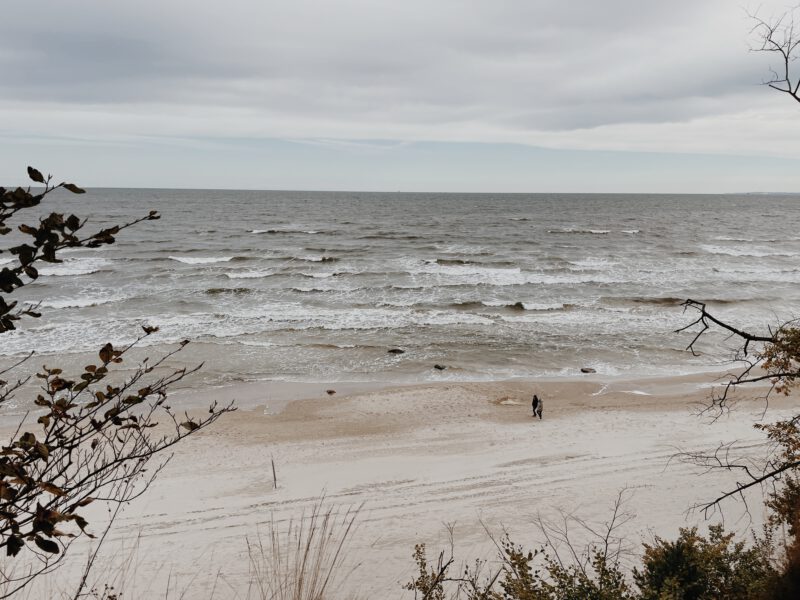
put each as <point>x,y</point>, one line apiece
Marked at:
<point>358,69</point>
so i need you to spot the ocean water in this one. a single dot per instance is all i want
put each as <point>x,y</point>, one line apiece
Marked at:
<point>317,286</point>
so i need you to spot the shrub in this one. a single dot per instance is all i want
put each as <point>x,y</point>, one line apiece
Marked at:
<point>694,567</point>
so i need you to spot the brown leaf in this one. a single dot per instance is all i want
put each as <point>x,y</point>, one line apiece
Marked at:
<point>82,524</point>
<point>53,489</point>
<point>73,222</point>
<point>107,353</point>
<point>14,544</point>
<point>35,175</point>
<point>73,188</point>
<point>47,545</point>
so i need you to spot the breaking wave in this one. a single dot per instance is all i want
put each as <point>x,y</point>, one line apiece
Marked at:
<point>202,260</point>
<point>249,274</point>
<point>516,306</point>
<point>580,231</point>
<point>74,267</point>
<point>746,251</point>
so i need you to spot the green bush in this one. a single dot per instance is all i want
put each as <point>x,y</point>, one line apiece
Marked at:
<point>691,567</point>
<point>694,567</point>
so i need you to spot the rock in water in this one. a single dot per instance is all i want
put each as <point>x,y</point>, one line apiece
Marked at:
<point>396,351</point>
<point>588,370</point>
<point>439,367</point>
<point>330,392</point>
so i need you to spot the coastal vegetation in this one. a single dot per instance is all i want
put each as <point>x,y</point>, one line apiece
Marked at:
<point>692,567</point>
<point>609,567</point>
<point>99,437</point>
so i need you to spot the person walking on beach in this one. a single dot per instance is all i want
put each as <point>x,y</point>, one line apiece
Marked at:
<point>536,405</point>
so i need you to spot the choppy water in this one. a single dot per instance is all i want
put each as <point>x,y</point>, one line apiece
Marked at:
<point>317,286</point>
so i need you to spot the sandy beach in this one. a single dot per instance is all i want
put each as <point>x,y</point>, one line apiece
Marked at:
<point>418,458</point>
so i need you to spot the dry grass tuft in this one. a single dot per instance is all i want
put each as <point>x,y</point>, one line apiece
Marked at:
<point>303,560</point>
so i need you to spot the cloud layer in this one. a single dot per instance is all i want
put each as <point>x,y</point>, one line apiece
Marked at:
<point>622,75</point>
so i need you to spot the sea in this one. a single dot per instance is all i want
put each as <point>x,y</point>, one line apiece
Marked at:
<point>319,286</point>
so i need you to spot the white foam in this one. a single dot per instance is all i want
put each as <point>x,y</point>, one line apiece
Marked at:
<point>605,321</point>
<point>249,274</point>
<point>201,260</point>
<point>462,249</point>
<point>572,279</point>
<point>542,306</point>
<point>449,274</point>
<point>297,316</point>
<point>82,302</point>
<point>746,250</point>
<point>525,305</point>
<point>593,263</point>
<point>74,266</point>
<point>315,258</point>
<point>727,238</point>
<point>277,230</point>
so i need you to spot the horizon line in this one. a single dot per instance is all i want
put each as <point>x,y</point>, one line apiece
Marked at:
<point>366,191</point>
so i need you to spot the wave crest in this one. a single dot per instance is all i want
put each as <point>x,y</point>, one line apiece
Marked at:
<point>202,260</point>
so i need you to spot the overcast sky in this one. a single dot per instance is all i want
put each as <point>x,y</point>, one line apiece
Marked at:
<point>438,95</point>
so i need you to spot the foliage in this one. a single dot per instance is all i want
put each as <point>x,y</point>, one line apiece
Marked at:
<point>557,570</point>
<point>780,358</point>
<point>98,431</point>
<point>600,579</point>
<point>53,233</point>
<point>429,584</point>
<point>694,567</point>
<point>773,359</point>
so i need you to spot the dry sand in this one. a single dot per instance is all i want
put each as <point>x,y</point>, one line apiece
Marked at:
<point>418,457</point>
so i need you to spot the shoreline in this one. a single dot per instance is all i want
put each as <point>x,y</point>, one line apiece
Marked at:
<point>273,396</point>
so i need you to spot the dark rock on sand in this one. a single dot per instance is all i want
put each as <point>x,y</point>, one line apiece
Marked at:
<point>330,392</point>
<point>396,351</point>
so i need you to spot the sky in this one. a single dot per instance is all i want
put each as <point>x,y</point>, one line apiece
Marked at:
<point>434,95</point>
